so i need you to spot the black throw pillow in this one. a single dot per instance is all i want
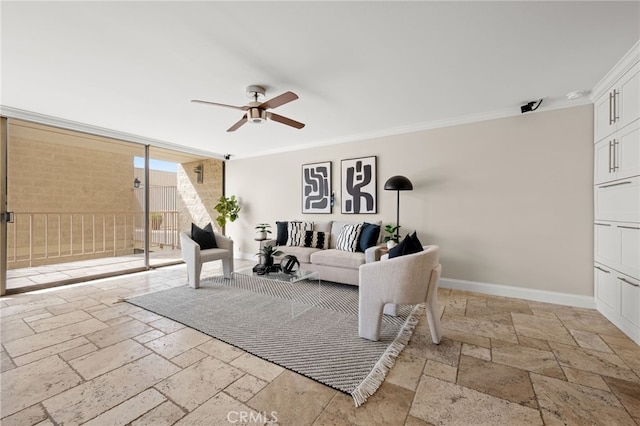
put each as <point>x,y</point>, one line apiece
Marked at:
<point>409,245</point>
<point>282,233</point>
<point>369,235</point>
<point>204,236</point>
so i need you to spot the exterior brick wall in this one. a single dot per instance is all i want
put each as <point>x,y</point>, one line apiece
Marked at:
<point>196,201</point>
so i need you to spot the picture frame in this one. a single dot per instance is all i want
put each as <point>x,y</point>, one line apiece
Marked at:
<point>316,188</point>
<point>358,187</point>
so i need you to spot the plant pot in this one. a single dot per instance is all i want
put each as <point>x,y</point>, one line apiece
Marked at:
<point>391,244</point>
<point>262,236</point>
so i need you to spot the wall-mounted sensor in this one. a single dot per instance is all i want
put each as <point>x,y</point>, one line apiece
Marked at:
<point>529,106</point>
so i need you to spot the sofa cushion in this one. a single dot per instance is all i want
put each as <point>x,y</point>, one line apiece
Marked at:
<point>368,236</point>
<point>302,253</point>
<point>281,233</point>
<point>203,236</point>
<point>338,258</point>
<point>297,231</point>
<point>315,239</point>
<point>349,237</point>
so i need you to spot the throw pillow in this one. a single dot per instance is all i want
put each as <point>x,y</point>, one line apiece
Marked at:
<point>368,236</point>
<point>314,239</point>
<point>204,236</point>
<point>409,245</point>
<point>297,232</point>
<point>348,238</point>
<point>282,234</point>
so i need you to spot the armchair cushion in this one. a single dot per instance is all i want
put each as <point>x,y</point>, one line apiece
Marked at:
<point>204,236</point>
<point>411,244</point>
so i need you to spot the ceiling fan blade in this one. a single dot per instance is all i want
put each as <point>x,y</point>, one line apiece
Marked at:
<point>242,108</point>
<point>238,124</point>
<point>284,120</point>
<point>279,100</point>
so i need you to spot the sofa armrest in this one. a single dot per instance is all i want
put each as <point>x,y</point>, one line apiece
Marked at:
<point>224,242</point>
<point>373,254</point>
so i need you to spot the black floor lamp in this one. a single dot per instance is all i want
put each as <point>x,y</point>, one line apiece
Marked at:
<point>398,183</point>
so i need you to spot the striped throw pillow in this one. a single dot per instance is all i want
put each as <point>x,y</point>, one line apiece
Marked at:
<point>314,239</point>
<point>297,232</point>
<point>348,238</point>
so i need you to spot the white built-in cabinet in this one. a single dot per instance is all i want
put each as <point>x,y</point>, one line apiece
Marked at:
<point>617,196</point>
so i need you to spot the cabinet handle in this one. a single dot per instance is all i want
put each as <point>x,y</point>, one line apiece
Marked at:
<point>603,270</point>
<point>602,224</point>
<point>610,108</point>
<point>615,184</point>
<point>615,107</point>
<point>628,227</point>
<point>615,155</point>
<point>628,282</point>
<point>610,156</point>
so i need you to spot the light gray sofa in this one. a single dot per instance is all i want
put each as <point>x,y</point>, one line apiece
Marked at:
<point>332,264</point>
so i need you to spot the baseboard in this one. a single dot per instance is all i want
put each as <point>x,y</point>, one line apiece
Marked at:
<point>520,293</point>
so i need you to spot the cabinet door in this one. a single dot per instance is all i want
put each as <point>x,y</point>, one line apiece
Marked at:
<point>607,288</point>
<point>627,105</point>
<point>618,201</point>
<point>603,115</point>
<point>630,300</point>
<point>603,161</point>
<point>626,152</point>
<point>629,249</point>
<point>606,243</point>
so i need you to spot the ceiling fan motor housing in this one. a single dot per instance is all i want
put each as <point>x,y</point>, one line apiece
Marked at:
<point>256,115</point>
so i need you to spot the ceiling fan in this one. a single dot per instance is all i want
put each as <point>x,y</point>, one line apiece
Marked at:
<point>256,112</point>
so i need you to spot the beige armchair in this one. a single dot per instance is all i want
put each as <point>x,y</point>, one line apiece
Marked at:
<point>194,257</point>
<point>409,279</point>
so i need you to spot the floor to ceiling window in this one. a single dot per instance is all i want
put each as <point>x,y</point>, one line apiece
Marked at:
<point>84,206</point>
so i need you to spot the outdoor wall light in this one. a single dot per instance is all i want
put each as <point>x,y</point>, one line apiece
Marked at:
<point>199,173</point>
<point>136,183</point>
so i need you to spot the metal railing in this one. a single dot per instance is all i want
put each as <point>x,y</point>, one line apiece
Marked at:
<point>41,238</point>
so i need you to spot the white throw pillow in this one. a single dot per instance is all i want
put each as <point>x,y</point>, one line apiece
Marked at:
<point>297,232</point>
<point>349,236</point>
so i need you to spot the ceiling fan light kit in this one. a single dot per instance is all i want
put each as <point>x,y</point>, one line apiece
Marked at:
<point>256,111</point>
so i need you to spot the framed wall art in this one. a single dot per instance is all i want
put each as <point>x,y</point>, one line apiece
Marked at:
<point>316,187</point>
<point>358,185</point>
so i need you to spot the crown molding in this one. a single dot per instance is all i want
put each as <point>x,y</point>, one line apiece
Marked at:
<point>37,118</point>
<point>623,65</point>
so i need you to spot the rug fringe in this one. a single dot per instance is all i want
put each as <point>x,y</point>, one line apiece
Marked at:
<point>374,379</point>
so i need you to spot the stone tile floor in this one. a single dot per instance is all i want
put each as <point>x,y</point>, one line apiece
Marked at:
<point>78,355</point>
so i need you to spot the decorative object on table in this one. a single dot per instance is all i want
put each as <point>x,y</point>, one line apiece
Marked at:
<point>289,264</point>
<point>322,338</point>
<point>267,252</point>
<point>316,188</point>
<point>398,183</point>
<point>263,229</point>
<point>391,238</point>
<point>358,185</point>
<point>228,209</point>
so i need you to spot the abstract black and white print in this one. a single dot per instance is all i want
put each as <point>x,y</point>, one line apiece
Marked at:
<point>316,188</point>
<point>359,185</point>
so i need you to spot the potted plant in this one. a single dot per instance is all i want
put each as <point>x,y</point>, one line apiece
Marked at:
<point>156,220</point>
<point>263,229</point>
<point>391,239</point>
<point>267,252</point>
<point>228,209</point>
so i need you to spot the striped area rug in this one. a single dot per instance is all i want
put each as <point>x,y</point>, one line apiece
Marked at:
<point>306,327</point>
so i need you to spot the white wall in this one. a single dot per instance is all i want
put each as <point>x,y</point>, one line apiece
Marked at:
<point>508,200</point>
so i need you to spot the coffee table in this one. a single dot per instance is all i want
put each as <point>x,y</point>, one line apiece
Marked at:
<point>301,299</point>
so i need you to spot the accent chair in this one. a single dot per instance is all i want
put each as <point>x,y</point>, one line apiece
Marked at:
<point>194,257</point>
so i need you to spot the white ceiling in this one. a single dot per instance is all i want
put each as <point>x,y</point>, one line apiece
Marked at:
<point>361,69</point>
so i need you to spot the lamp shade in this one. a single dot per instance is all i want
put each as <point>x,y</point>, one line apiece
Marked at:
<point>398,183</point>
